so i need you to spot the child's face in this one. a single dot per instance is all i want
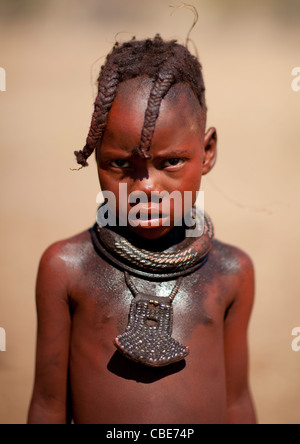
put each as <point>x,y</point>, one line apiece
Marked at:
<point>180,154</point>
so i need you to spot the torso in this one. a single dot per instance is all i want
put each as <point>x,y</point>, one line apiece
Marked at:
<point>107,388</point>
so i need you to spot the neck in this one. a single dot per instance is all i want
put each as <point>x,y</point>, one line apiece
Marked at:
<point>172,238</point>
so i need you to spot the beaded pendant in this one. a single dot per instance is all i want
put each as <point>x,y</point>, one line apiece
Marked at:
<point>148,336</point>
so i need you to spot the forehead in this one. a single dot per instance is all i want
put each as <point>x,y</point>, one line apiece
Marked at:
<point>137,90</point>
<point>180,112</point>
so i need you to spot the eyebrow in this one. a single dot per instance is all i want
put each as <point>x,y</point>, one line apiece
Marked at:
<point>163,153</point>
<point>173,152</point>
<point>114,152</point>
<point>170,153</point>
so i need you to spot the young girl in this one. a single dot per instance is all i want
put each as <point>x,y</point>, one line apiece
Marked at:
<point>137,322</point>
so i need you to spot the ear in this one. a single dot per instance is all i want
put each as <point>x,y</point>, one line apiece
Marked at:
<point>210,150</point>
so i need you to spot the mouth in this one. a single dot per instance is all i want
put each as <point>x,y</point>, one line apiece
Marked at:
<point>147,216</point>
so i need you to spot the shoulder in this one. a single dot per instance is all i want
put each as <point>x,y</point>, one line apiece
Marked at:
<point>231,260</point>
<point>235,269</point>
<point>63,258</point>
<point>68,250</point>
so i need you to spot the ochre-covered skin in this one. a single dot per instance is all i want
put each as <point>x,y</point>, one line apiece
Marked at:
<point>83,302</point>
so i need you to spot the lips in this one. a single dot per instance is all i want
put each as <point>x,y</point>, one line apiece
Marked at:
<point>148,212</point>
<point>145,215</point>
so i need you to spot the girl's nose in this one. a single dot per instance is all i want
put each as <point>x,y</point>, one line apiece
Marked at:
<point>147,184</point>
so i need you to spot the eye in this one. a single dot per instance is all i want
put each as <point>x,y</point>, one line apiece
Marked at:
<point>120,163</point>
<point>173,163</point>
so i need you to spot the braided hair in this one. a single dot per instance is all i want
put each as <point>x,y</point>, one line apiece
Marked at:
<point>165,62</point>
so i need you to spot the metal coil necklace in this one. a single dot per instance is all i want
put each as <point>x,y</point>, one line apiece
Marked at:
<point>188,256</point>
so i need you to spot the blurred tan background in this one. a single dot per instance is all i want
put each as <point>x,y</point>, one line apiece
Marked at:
<point>52,51</point>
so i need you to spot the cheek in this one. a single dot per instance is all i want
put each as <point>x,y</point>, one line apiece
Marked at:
<point>192,185</point>
<point>186,189</point>
<point>107,181</point>
<point>192,177</point>
<point>108,184</point>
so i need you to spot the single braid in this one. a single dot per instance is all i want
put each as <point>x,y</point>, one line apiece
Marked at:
<point>108,83</point>
<point>165,62</point>
<point>158,92</point>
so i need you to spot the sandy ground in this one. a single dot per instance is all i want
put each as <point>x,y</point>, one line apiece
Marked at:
<point>51,63</point>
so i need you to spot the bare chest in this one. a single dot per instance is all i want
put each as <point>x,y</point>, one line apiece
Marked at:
<point>101,309</point>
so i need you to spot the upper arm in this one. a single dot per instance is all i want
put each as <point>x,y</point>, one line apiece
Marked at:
<point>49,401</point>
<point>235,344</point>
